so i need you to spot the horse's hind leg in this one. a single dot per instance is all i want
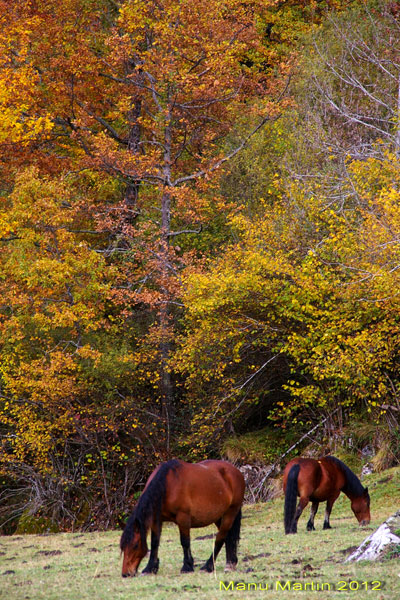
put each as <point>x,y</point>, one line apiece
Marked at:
<point>210,563</point>
<point>153,564</point>
<point>300,507</point>
<point>231,520</point>
<point>231,543</point>
<point>314,508</point>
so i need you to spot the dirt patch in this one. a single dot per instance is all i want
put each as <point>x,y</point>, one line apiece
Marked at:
<point>348,550</point>
<point>49,552</point>
<point>205,537</point>
<point>385,479</point>
<point>254,556</point>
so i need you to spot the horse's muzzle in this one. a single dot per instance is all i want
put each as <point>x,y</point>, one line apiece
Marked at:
<point>129,574</point>
<point>364,523</point>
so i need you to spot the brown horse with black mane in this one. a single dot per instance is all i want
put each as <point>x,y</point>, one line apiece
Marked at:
<point>190,495</point>
<point>320,480</point>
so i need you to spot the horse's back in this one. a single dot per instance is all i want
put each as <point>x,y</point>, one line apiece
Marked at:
<point>217,477</point>
<point>309,469</point>
<point>318,479</point>
<point>334,478</point>
<point>228,473</point>
<point>205,490</point>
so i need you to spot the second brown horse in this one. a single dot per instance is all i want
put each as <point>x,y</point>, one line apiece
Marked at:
<point>321,480</point>
<point>190,495</point>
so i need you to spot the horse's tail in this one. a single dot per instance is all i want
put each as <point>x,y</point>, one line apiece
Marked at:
<point>291,497</point>
<point>232,539</point>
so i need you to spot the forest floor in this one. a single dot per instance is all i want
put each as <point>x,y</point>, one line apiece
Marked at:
<point>83,566</point>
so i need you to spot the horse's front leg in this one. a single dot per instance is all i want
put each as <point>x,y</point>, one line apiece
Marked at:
<point>329,503</point>
<point>314,508</point>
<point>183,522</point>
<point>153,564</point>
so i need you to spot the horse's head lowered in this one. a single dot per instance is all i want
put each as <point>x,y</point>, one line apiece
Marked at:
<point>134,548</point>
<point>360,507</point>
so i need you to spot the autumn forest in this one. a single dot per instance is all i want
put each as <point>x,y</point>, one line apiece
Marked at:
<point>199,238</point>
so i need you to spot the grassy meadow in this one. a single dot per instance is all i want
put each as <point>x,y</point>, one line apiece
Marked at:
<point>76,566</point>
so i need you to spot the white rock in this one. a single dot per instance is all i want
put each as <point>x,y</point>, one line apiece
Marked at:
<point>378,543</point>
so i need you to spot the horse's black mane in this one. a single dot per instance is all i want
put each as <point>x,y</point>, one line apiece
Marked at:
<point>353,485</point>
<point>149,504</point>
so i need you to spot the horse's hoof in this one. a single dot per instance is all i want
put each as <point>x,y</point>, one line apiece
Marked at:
<point>230,567</point>
<point>207,568</point>
<point>187,570</point>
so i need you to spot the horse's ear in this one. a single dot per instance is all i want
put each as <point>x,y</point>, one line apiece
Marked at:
<point>366,491</point>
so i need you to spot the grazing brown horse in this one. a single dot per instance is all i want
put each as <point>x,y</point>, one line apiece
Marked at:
<point>320,480</point>
<point>190,495</point>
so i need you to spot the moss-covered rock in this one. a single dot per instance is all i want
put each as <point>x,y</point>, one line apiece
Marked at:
<point>385,542</point>
<point>258,447</point>
<point>29,523</point>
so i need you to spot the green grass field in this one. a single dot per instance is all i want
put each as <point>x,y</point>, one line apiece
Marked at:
<point>77,566</point>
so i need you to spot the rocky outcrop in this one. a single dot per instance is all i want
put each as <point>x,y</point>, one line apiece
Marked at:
<point>384,540</point>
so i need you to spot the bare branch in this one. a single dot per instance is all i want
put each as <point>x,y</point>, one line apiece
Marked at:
<point>224,159</point>
<point>175,233</point>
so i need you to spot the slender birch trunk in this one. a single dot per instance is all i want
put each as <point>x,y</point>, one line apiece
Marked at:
<point>164,320</point>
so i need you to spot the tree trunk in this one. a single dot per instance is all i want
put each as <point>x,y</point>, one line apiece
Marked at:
<point>397,137</point>
<point>132,188</point>
<point>164,317</point>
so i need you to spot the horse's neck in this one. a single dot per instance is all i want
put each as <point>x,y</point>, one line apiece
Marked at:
<point>153,521</point>
<point>347,493</point>
<point>346,489</point>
